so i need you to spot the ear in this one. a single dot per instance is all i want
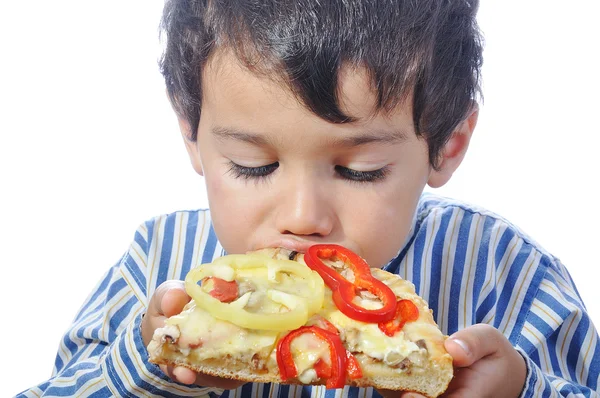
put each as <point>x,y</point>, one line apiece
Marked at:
<point>455,149</point>
<point>190,146</point>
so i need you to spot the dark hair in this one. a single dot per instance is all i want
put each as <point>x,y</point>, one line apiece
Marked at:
<point>430,49</point>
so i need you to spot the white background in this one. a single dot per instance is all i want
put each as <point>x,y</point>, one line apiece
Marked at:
<point>89,149</point>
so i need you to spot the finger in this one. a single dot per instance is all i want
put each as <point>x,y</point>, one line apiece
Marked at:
<point>184,375</point>
<point>170,294</point>
<point>173,301</point>
<point>156,303</point>
<point>469,345</point>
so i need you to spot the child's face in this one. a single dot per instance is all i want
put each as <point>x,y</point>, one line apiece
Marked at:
<point>277,175</point>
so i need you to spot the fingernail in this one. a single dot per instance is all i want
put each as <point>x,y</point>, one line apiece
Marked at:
<point>462,345</point>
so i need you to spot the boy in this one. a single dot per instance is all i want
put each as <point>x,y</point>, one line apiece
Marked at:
<point>321,122</point>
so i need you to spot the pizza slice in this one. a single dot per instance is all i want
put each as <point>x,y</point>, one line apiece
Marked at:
<point>323,317</point>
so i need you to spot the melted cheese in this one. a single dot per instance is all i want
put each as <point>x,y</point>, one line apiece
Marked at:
<point>306,350</point>
<point>207,337</point>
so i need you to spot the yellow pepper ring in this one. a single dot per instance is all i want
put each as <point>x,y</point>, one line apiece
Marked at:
<point>297,316</point>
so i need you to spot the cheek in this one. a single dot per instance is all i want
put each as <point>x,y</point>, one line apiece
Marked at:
<point>238,209</point>
<point>384,232</point>
<point>381,231</point>
<point>228,214</point>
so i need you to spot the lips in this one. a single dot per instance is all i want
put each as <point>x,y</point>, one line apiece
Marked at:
<point>291,244</point>
<point>301,246</point>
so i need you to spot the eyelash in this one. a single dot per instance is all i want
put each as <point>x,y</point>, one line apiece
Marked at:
<point>248,173</point>
<point>261,172</point>
<point>362,176</point>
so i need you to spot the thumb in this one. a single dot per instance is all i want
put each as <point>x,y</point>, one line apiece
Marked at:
<point>170,298</point>
<point>469,345</point>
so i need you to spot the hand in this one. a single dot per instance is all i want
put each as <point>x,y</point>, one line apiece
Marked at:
<point>168,300</point>
<point>486,365</point>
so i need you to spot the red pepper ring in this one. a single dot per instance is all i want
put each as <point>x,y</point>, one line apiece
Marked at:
<point>337,352</point>
<point>344,291</point>
<point>354,370</point>
<point>406,311</point>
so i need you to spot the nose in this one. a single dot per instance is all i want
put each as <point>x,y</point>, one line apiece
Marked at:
<point>305,209</point>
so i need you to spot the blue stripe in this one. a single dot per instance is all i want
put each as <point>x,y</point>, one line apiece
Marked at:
<point>58,364</point>
<point>594,370</point>
<point>284,390</point>
<point>115,378</point>
<point>353,392</point>
<point>137,272</point>
<point>513,279</point>
<point>437,260</point>
<point>167,247</point>
<point>502,246</point>
<point>266,390</point>
<point>330,393</point>
<point>102,393</point>
<point>115,288</point>
<point>79,367</point>
<point>75,358</point>
<point>70,391</point>
<point>69,344</point>
<point>419,247</point>
<point>576,344</point>
<point>211,244</point>
<point>553,303</point>
<point>141,241</point>
<point>545,329</point>
<point>190,237</point>
<point>458,267</point>
<point>119,316</point>
<point>306,392</point>
<point>247,390</point>
<point>567,296</point>
<point>150,226</point>
<point>527,300</point>
<point>487,306</point>
<point>480,270</point>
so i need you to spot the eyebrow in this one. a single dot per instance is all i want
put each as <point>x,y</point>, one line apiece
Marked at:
<point>225,133</point>
<point>378,137</point>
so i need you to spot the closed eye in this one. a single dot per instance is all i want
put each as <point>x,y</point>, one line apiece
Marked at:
<point>238,171</point>
<point>362,176</point>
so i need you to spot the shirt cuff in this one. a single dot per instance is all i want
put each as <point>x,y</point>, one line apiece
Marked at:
<point>129,374</point>
<point>536,384</point>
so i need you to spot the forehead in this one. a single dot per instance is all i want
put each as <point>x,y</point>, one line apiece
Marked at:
<point>225,80</point>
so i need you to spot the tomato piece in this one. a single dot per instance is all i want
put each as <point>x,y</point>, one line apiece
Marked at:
<point>406,311</point>
<point>222,290</point>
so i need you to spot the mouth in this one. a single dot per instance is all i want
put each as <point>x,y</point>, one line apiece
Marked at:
<point>291,244</point>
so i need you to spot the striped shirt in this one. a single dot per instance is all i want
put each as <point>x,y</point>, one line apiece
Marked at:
<point>471,265</point>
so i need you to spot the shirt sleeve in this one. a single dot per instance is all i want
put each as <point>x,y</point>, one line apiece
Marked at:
<point>559,341</point>
<point>102,353</point>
